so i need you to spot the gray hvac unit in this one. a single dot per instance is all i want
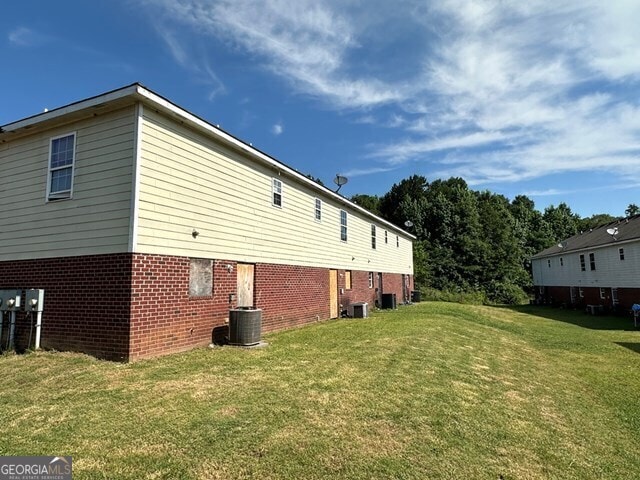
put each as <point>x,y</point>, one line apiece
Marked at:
<point>416,296</point>
<point>245,326</point>
<point>358,310</point>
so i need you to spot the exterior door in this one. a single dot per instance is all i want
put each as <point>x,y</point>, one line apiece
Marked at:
<point>380,290</point>
<point>333,293</point>
<point>614,297</point>
<point>246,274</point>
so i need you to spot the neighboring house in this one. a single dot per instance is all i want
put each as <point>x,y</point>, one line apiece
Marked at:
<point>600,267</point>
<point>145,224</point>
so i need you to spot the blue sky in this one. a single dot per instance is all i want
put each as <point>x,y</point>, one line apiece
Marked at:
<point>518,97</point>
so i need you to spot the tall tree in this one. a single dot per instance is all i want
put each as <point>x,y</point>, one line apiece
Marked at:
<point>370,202</point>
<point>412,188</point>
<point>562,221</point>
<point>632,210</point>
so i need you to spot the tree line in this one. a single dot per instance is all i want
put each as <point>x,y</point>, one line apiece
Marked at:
<point>475,241</point>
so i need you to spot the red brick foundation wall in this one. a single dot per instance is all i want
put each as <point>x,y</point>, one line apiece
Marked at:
<point>86,302</point>
<point>164,317</point>
<point>591,296</point>
<point>291,295</point>
<point>131,306</point>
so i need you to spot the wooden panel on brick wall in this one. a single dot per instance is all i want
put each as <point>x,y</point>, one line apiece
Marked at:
<point>333,293</point>
<point>245,284</point>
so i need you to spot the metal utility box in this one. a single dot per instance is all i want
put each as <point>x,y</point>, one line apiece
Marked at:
<point>245,326</point>
<point>10,300</point>
<point>34,300</point>
<point>359,310</point>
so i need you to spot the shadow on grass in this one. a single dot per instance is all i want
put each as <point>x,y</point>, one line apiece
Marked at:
<point>577,317</point>
<point>634,347</point>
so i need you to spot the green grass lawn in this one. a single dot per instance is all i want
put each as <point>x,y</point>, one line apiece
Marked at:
<point>433,390</point>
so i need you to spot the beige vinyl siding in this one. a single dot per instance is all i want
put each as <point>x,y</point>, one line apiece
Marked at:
<point>189,181</point>
<point>96,219</point>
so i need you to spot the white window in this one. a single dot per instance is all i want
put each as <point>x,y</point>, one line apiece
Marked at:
<point>62,153</point>
<point>277,192</point>
<point>318,209</point>
<point>621,253</point>
<point>370,279</point>
<point>343,225</point>
<point>386,237</point>
<point>397,241</point>
<point>561,262</point>
<point>549,263</point>
<point>373,237</point>
<point>603,293</point>
<point>581,292</point>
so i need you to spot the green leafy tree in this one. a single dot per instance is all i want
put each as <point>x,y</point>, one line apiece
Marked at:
<point>370,202</point>
<point>632,210</point>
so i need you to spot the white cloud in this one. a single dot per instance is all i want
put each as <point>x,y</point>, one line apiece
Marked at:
<point>26,37</point>
<point>277,129</point>
<point>502,90</point>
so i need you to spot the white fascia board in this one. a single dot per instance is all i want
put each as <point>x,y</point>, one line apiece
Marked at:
<point>587,249</point>
<point>74,107</point>
<point>166,105</point>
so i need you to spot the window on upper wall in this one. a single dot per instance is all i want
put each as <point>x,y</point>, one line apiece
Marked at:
<point>370,279</point>
<point>592,261</point>
<point>561,262</point>
<point>343,225</point>
<point>373,237</point>
<point>277,192</point>
<point>549,263</point>
<point>61,161</point>
<point>621,253</point>
<point>318,213</point>
<point>386,237</point>
<point>397,241</point>
<point>582,264</point>
<point>347,280</point>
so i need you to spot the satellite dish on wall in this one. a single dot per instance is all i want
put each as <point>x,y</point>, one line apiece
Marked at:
<point>340,180</point>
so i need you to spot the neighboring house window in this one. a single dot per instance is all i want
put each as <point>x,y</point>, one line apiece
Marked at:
<point>61,161</point>
<point>561,262</point>
<point>581,292</point>
<point>373,237</point>
<point>347,280</point>
<point>343,225</point>
<point>386,237</point>
<point>200,277</point>
<point>582,264</point>
<point>277,192</point>
<point>602,293</point>
<point>621,253</point>
<point>397,241</point>
<point>549,263</point>
<point>318,209</point>
<point>592,261</point>
<point>370,279</point>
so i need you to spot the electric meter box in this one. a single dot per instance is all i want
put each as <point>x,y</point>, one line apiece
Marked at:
<point>10,300</point>
<point>34,300</point>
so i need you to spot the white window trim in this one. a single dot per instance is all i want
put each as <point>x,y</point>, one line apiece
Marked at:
<point>317,210</point>
<point>374,239</point>
<point>370,279</point>
<point>274,192</point>
<point>603,293</point>
<point>346,226</point>
<point>61,195</point>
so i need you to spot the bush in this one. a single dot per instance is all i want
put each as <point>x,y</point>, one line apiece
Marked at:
<point>506,294</point>
<point>471,297</point>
